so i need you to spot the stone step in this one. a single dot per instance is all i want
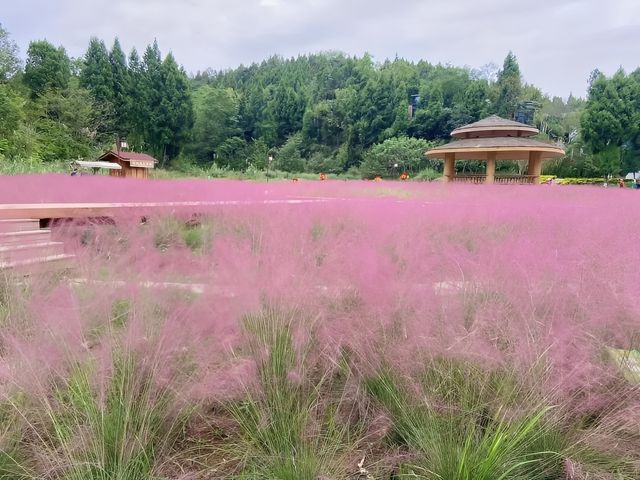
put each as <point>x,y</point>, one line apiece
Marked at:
<point>62,260</point>
<point>19,225</point>
<point>25,236</point>
<point>19,252</point>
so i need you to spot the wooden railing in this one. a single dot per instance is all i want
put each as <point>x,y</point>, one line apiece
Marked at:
<point>499,179</point>
<point>515,179</point>
<point>469,178</point>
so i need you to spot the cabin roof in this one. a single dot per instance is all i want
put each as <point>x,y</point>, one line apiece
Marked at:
<point>129,156</point>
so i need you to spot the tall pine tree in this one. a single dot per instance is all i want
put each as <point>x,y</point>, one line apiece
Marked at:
<point>166,110</point>
<point>120,89</point>
<point>176,108</point>
<point>509,86</point>
<point>135,101</point>
<point>150,92</point>
<point>96,75</point>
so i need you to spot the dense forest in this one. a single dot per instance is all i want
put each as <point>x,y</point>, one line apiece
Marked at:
<point>326,112</point>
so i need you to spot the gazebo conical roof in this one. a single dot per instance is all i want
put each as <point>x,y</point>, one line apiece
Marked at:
<point>495,126</point>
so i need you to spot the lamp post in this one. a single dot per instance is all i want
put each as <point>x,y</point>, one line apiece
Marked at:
<point>269,166</point>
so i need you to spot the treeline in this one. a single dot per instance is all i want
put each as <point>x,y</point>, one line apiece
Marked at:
<point>330,112</point>
<point>325,112</point>
<point>57,108</point>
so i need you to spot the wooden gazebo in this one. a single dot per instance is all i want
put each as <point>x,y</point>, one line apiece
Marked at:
<point>132,164</point>
<point>491,139</point>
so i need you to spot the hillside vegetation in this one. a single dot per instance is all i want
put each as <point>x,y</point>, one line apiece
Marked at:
<point>325,112</point>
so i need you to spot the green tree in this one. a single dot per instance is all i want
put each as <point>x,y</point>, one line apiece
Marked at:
<point>289,156</point>
<point>149,89</point>
<point>65,122</point>
<point>135,101</point>
<point>509,87</point>
<point>164,115</point>
<point>175,113</point>
<point>47,67</point>
<point>233,154</point>
<point>405,152</point>
<point>610,118</point>
<point>608,113</point>
<point>11,113</point>
<point>216,112</point>
<point>96,75</point>
<point>9,59</point>
<point>120,89</point>
<point>432,121</point>
<point>476,100</point>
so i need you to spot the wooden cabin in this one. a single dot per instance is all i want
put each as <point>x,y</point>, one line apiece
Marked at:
<point>134,164</point>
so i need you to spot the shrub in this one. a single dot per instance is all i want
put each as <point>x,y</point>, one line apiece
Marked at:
<point>407,153</point>
<point>320,162</point>
<point>579,181</point>
<point>289,156</point>
<point>427,175</point>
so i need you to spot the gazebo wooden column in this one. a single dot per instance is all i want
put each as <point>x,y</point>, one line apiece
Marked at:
<point>449,166</point>
<point>535,166</point>
<point>491,167</point>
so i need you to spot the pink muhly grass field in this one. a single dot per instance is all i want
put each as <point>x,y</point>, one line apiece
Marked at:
<point>265,338</point>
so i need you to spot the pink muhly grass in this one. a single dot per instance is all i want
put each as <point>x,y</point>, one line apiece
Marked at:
<point>381,276</point>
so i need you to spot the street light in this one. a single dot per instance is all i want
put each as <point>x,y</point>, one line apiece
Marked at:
<point>269,166</point>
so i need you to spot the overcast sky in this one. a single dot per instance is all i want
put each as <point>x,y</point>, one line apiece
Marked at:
<point>557,42</point>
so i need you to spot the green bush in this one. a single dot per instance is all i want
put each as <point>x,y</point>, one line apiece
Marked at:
<point>289,156</point>
<point>427,175</point>
<point>321,162</point>
<point>406,152</point>
<point>579,181</point>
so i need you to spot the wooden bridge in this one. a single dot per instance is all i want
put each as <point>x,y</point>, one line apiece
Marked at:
<point>48,211</point>
<point>26,242</point>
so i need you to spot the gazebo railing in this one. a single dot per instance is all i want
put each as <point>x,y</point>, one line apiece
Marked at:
<point>499,179</point>
<point>468,178</point>
<point>515,179</point>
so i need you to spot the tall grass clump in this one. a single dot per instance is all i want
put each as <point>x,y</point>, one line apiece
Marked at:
<point>295,421</point>
<point>93,403</point>
<point>118,436</point>
<point>465,422</point>
<point>14,462</point>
